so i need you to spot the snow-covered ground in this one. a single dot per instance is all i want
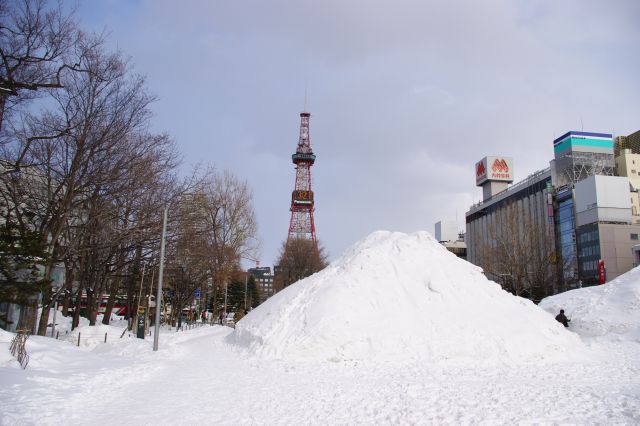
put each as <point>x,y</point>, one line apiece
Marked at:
<point>300,357</point>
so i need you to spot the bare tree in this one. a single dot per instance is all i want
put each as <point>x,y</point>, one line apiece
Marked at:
<point>231,225</point>
<point>94,115</point>
<point>37,43</point>
<point>519,253</point>
<point>299,260</point>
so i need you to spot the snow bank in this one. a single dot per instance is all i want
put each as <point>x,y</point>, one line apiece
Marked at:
<point>395,297</point>
<point>610,311</point>
<point>6,358</point>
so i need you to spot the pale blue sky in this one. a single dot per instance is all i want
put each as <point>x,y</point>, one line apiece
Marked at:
<point>405,95</point>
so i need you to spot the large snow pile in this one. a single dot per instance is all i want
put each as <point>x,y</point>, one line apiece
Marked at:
<point>610,310</point>
<point>395,296</point>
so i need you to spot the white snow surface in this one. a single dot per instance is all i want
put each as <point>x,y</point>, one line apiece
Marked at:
<point>201,376</point>
<point>394,297</point>
<point>608,311</point>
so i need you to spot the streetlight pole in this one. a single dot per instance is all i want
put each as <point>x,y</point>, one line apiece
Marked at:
<point>156,334</point>
<point>245,291</point>
<point>225,298</point>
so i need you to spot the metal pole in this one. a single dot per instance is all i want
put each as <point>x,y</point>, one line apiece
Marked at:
<point>55,311</point>
<point>144,265</point>
<point>225,300</point>
<point>159,293</point>
<point>245,291</point>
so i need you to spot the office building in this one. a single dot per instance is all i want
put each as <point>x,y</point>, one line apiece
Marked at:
<point>264,281</point>
<point>631,142</point>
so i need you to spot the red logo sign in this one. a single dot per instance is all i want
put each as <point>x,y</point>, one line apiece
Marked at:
<point>499,166</point>
<point>480,170</point>
<point>602,272</point>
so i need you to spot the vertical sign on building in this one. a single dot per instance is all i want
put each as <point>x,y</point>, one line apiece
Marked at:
<point>550,201</point>
<point>602,272</point>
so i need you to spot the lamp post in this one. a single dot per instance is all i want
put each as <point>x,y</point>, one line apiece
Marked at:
<point>245,291</point>
<point>156,334</point>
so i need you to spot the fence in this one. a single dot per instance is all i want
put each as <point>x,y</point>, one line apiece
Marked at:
<point>18,347</point>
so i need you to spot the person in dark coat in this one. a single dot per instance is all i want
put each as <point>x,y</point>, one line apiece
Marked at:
<point>562,318</point>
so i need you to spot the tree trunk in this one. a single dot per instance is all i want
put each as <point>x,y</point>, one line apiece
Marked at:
<point>110,302</point>
<point>46,307</point>
<point>68,287</point>
<point>75,322</point>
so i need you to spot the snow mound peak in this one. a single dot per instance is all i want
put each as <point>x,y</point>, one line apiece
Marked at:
<point>393,297</point>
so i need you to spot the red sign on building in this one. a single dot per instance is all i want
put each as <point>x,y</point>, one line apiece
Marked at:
<point>602,272</point>
<point>499,169</point>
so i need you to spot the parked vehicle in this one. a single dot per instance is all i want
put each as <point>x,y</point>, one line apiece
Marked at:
<point>229,319</point>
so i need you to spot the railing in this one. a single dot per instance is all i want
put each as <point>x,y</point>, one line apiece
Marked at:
<point>18,348</point>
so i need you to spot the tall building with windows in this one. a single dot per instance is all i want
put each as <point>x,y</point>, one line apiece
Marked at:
<point>264,280</point>
<point>604,232</point>
<point>577,156</point>
<point>631,142</point>
<point>522,215</point>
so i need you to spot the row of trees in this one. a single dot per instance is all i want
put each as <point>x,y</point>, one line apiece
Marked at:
<point>84,181</point>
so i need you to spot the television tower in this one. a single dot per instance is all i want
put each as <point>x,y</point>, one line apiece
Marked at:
<point>301,224</point>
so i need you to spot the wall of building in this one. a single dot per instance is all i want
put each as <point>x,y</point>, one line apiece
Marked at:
<point>530,198</point>
<point>616,245</point>
<point>628,164</point>
<point>446,230</point>
<point>602,199</point>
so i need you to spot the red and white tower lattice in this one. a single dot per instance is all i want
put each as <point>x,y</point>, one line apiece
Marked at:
<point>302,206</point>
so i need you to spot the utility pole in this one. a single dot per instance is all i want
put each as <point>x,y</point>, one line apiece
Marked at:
<point>225,299</point>
<point>160,275</point>
<point>245,290</point>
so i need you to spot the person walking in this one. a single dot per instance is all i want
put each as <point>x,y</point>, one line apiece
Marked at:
<point>562,318</point>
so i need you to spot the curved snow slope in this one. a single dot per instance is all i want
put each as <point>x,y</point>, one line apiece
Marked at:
<point>610,310</point>
<point>395,296</point>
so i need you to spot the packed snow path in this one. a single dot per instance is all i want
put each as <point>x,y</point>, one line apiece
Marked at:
<point>198,377</point>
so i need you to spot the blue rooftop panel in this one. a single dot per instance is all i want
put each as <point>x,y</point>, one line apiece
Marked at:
<point>576,133</point>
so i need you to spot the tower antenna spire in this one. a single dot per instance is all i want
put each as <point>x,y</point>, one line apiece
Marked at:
<point>305,97</point>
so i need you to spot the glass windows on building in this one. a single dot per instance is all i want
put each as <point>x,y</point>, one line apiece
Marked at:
<point>565,223</point>
<point>588,253</point>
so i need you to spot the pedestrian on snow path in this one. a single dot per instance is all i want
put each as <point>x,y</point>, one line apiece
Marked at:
<point>561,317</point>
